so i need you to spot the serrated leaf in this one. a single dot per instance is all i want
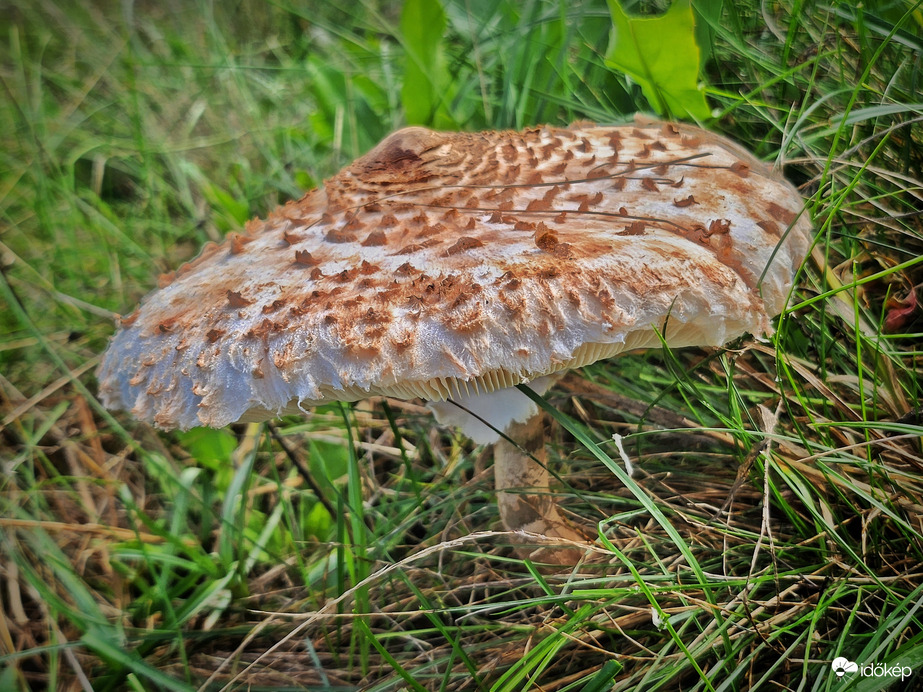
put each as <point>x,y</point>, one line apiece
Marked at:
<point>661,55</point>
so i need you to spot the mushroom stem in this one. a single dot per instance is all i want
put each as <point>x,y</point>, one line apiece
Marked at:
<point>524,498</point>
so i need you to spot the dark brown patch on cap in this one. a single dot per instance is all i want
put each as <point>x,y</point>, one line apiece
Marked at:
<point>398,159</point>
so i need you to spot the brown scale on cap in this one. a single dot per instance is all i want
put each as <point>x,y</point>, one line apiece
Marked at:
<point>464,243</point>
<point>238,242</point>
<point>305,258</point>
<point>340,235</point>
<point>546,240</point>
<point>236,300</point>
<point>128,320</point>
<point>290,238</point>
<point>485,245</point>
<point>374,238</point>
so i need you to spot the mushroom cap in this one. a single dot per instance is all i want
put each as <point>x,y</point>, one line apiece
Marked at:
<point>445,264</point>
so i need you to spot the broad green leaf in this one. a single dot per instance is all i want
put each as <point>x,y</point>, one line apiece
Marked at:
<point>209,447</point>
<point>317,521</point>
<point>423,23</point>
<point>661,55</point>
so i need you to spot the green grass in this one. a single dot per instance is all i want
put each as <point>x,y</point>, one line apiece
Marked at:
<point>775,520</point>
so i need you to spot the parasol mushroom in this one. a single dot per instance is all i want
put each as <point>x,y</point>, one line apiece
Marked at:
<point>454,266</point>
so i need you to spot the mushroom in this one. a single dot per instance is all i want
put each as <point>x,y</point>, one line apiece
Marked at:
<point>453,267</point>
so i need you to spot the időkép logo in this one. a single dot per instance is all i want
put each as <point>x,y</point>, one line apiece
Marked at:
<point>843,666</point>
